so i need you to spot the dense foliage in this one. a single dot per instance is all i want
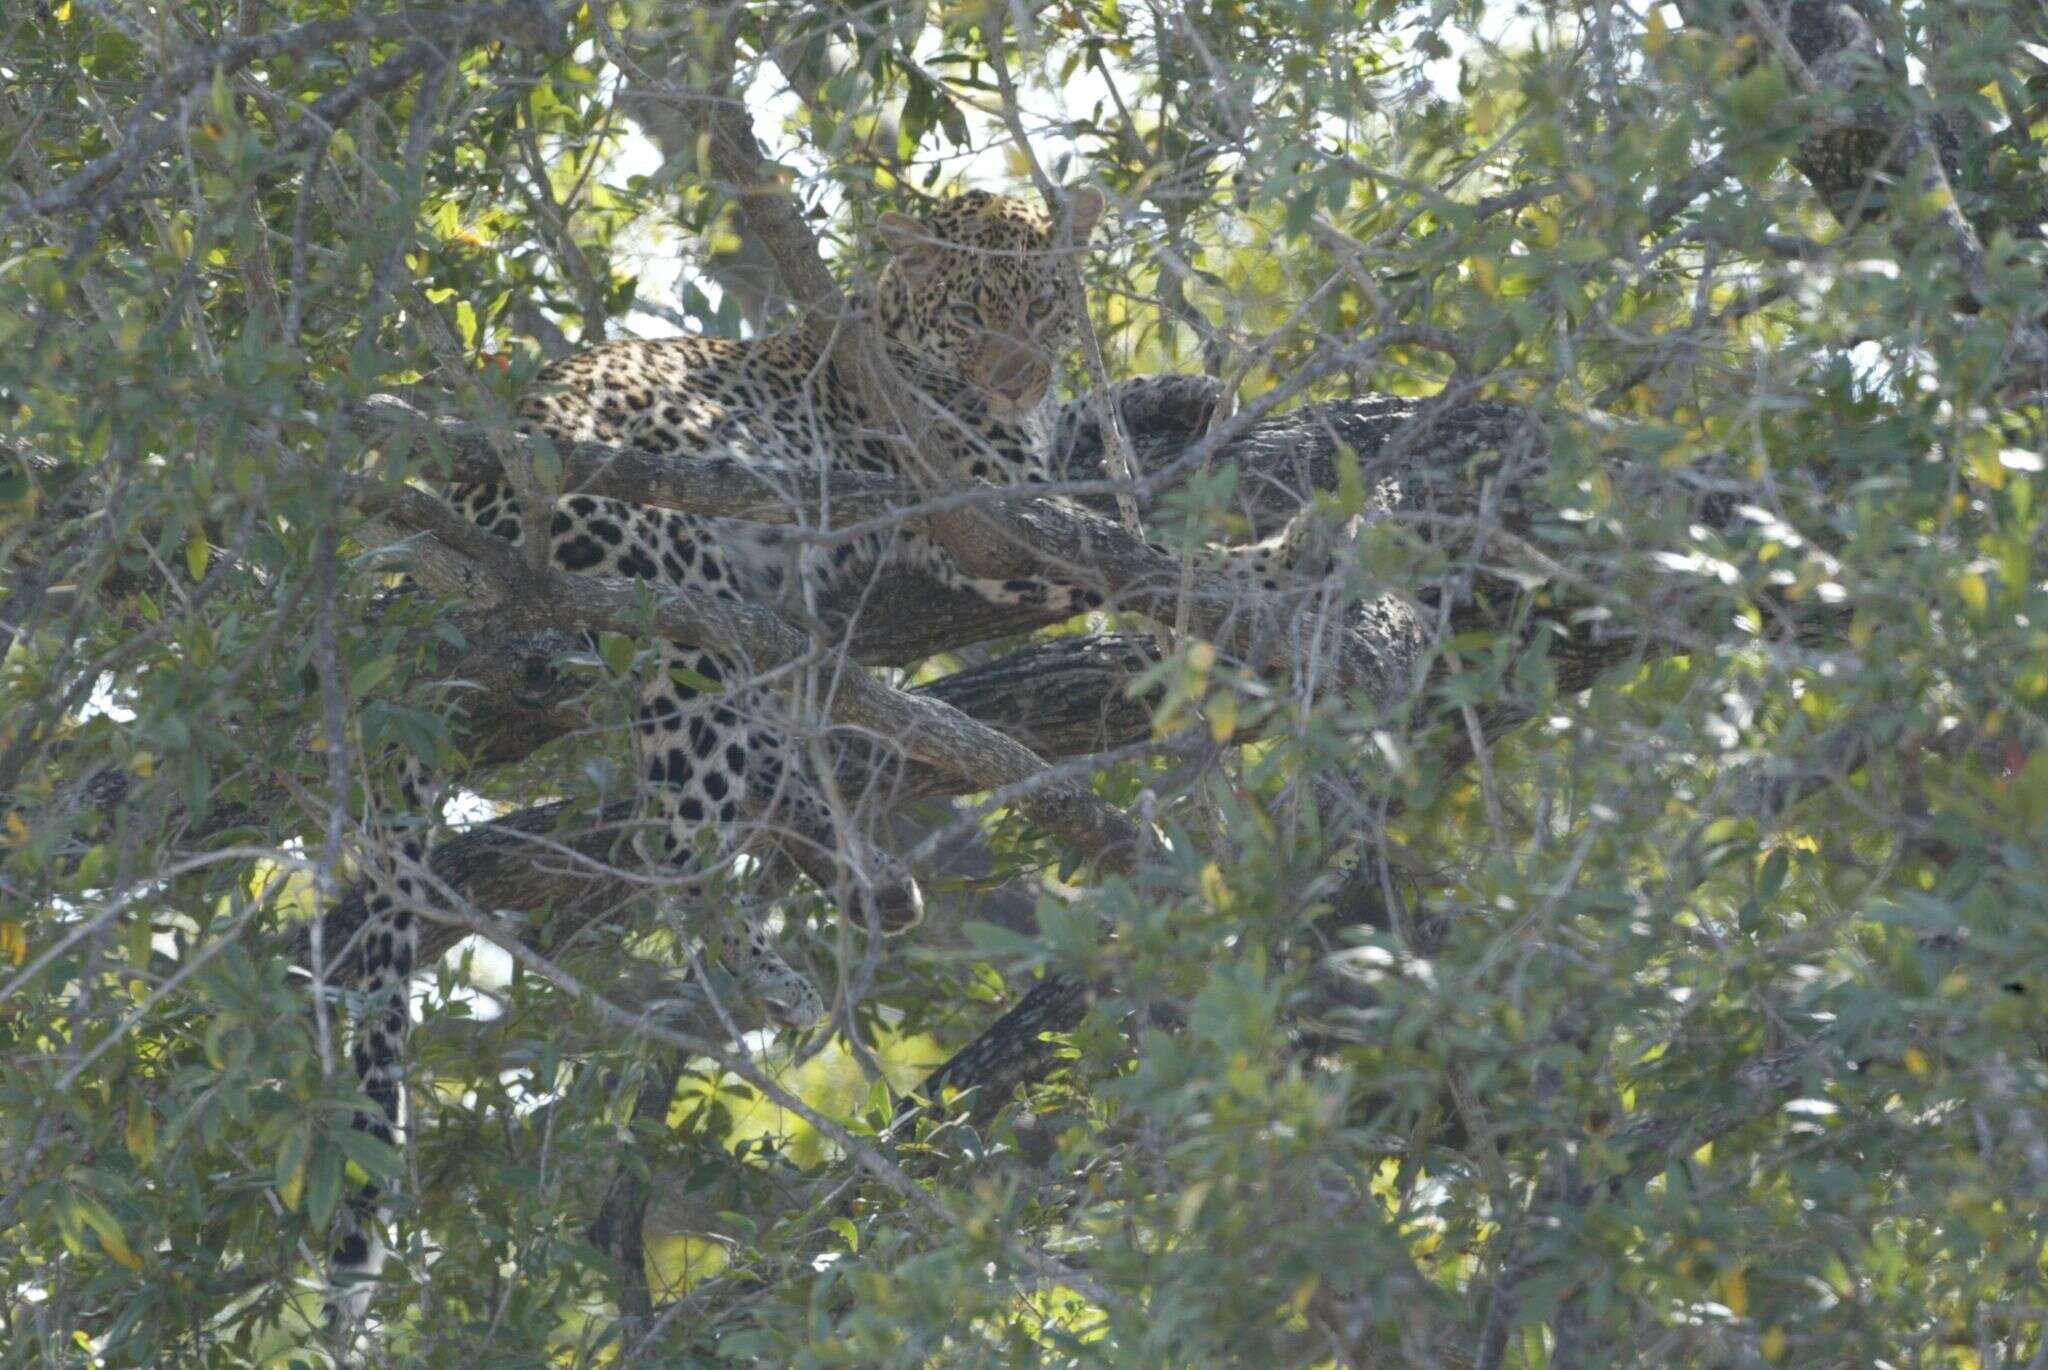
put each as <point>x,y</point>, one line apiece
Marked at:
<point>1651,974</point>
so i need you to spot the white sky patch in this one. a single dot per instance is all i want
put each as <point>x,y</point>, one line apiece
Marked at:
<point>102,701</point>
<point>465,807</point>
<point>490,967</point>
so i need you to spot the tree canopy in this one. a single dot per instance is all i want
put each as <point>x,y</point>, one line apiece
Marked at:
<point>1603,920</point>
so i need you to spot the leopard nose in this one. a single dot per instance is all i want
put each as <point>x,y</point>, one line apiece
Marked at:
<point>1017,374</point>
<point>899,903</point>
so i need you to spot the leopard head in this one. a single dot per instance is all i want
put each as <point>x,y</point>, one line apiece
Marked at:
<point>972,288</point>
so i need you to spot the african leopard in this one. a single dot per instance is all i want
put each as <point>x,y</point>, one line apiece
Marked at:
<point>970,310</point>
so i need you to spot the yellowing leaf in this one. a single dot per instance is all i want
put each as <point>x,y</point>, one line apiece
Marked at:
<point>1656,33</point>
<point>13,939</point>
<point>290,1171</point>
<point>1223,716</point>
<point>1729,59</point>
<point>117,1246</point>
<point>1773,1345</point>
<point>1916,1061</point>
<point>1485,116</point>
<point>140,1135</point>
<point>1735,1291</point>
<point>112,1239</point>
<point>1934,200</point>
<point>1975,593</point>
<point>17,829</point>
<point>196,554</point>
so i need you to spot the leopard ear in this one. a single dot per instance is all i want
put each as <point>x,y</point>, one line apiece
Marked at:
<point>914,246</point>
<point>1085,204</point>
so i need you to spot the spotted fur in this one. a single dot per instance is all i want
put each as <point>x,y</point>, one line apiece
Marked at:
<point>1309,548</point>
<point>971,313</point>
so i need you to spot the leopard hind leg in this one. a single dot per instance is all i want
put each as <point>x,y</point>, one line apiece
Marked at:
<point>709,764</point>
<point>698,769</point>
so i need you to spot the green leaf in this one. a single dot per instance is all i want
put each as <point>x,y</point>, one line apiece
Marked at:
<point>702,684</point>
<point>323,1182</point>
<point>220,100</point>
<point>618,651</point>
<point>1771,878</point>
<point>1756,101</point>
<point>1350,485</point>
<point>365,679</point>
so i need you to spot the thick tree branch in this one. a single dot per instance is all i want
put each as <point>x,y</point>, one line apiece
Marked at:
<point>926,729</point>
